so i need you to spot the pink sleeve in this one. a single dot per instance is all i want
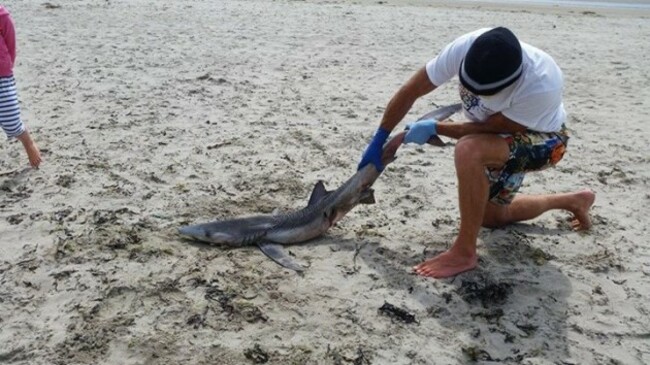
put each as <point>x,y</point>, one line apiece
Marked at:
<point>9,35</point>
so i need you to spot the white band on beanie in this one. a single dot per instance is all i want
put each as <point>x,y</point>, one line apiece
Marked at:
<point>494,85</point>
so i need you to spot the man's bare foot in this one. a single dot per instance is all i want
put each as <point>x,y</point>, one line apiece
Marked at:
<point>446,264</point>
<point>584,199</point>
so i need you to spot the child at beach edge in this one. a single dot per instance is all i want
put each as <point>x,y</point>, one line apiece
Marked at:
<point>10,120</point>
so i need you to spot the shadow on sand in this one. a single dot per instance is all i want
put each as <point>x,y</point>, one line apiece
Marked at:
<point>511,309</point>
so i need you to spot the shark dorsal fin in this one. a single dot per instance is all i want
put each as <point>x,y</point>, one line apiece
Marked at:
<point>318,193</point>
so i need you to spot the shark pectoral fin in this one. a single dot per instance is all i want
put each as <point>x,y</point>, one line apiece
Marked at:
<point>277,254</point>
<point>368,197</point>
<point>318,193</point>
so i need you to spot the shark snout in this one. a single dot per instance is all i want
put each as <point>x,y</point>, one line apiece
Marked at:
<point>210,233</point>
<point>196,232</point>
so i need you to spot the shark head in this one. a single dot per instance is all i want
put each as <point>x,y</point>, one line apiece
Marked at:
<point>202,232</point>
<point>230,232</point>
<point>194,232</point>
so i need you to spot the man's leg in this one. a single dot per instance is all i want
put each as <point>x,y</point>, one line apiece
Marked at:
<point>472,155</point>
<point>525,207</point>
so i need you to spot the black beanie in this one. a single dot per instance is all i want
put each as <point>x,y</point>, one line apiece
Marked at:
<point>492,63</point>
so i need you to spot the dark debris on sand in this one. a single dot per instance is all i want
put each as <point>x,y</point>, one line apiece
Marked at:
<point>397,313</point>
<point>256,354</point>
<point>485,291</point>
<point>232,307</point>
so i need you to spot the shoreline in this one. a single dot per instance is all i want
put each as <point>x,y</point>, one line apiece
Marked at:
<point>622,8</point>
<point>576,4</point>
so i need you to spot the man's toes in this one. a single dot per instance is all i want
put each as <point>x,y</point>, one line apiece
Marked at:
<point>578,225</point>
<point>426,273</point>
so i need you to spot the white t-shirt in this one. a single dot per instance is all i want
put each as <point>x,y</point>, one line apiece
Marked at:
<point>534,100</point>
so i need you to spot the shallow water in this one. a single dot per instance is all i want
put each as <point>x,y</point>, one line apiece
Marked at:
<point>626,4</point>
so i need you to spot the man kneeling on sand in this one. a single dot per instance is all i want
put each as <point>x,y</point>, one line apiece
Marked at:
<point>512,94</point>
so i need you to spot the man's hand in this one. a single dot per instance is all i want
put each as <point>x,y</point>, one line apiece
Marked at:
<point>420,131</point>
<point>373,152</point>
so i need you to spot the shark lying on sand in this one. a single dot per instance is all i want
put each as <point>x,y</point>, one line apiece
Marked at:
<point>325,208</point>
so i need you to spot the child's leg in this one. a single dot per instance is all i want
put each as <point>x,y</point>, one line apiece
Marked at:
<point>10,119</point>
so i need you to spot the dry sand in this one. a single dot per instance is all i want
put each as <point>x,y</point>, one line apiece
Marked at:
<point>153,114</point>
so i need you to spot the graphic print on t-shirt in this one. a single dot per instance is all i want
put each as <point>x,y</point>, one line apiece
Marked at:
<point>474,109</point>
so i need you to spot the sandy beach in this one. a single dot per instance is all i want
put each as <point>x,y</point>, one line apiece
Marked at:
<point>154,114</point>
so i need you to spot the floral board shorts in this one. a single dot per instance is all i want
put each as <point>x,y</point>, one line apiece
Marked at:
<point>529,151</point>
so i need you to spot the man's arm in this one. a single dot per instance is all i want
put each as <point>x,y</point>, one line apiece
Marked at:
<point>417,86</point>
<point>496,123</point>
<point>396,109</point>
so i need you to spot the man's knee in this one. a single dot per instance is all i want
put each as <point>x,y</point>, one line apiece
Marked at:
<point>488,149</point>
<point>467,148</point>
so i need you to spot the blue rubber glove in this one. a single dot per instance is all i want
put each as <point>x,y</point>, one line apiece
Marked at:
<point>373,152</point>
<point>420,131</point>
